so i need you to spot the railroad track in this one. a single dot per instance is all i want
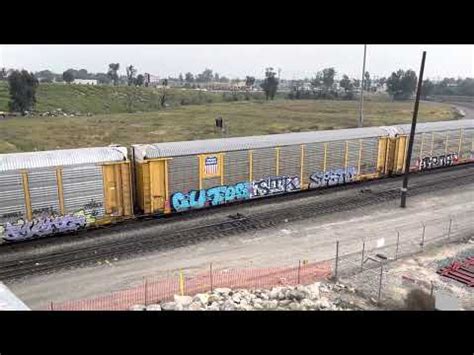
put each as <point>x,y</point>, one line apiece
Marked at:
<point>308,208</point>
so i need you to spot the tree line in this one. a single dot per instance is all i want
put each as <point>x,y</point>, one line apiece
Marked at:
<point>400,85</point>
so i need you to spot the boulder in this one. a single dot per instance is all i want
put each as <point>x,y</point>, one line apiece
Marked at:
<point>212,298</point>
<point>203,298</point>
<point>222,291</point>
<point>271,304</point>
<point>183,300</point>
<point>168,306</point>
<point>236,298</point>
<point>294,306</point>
<point>154,307</point>
<point>284,303</point>
<point>213,307</point>
<point>313,291</point>
<point>138,307</point>
<point>274,293</point>
<point>307,304</point>
<point>228,306</point>
<point>195,306</point>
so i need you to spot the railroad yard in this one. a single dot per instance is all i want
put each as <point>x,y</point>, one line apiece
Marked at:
<point>309,232</point>
<point>205,191</point>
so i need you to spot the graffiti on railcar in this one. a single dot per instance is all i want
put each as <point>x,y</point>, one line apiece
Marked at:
<point>274,185</point>
<point>45,225</point>
<point>437,161</point>
<point>93,207</point>
<point>332,177</point>
<point>12,215</point>
<point>209,197</point>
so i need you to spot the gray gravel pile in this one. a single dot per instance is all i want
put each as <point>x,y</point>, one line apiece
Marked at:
<point>284,298</point>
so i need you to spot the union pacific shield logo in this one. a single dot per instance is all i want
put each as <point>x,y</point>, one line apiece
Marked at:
<point>211,166</point>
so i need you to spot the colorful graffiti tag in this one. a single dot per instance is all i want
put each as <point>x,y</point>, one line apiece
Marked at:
<point>274,185</point>
<point>332,177</point>
<point>47,225</point>
<point>209,197</point>
<point>437,161</point>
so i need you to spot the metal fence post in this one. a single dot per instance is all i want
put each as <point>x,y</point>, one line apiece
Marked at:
<point>380,283</point>
<point>363,255</point>
<point>398,243</point>
<point>51,306</point>
<point>449,229</point>
<point>299,270</point>
<point>423,237</point>
<point>181,283</point>
<point>337,259</point>
<point>210,275</point>
<point>146,292</point>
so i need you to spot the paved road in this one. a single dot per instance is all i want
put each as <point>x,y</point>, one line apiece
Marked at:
<point>466,107</point>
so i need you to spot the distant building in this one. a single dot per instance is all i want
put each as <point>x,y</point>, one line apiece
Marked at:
<point>152,80</point>
<point>84,82</point>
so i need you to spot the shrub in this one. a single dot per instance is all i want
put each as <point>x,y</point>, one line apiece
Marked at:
<point>419,300</point>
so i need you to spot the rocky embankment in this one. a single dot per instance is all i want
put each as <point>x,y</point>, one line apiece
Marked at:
<point>317,296</point>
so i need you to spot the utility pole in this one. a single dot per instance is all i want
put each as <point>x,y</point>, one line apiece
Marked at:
<point>361,116</point>
<point>412,133</point>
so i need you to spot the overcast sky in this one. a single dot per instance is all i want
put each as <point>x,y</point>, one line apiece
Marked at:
<point>295,61</point>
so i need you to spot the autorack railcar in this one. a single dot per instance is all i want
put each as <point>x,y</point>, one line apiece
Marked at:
<point>43,193</point>
<point>179,176</point>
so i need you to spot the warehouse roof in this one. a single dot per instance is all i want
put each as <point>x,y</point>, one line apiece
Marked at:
<point>16,161</point>
<point>171,149</point>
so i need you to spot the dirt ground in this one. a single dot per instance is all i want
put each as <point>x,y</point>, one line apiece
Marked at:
<point>310,240</point>
<point>420,272</point>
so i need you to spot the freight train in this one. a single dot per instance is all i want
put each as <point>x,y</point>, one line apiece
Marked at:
<point>54,192</point>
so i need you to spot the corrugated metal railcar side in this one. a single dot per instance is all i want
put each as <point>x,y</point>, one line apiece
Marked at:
<point>179,176</point>
<point>439,144</point>
<point>44,193</point>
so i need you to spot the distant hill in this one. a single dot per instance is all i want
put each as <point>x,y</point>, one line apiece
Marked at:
<point>104,99</point>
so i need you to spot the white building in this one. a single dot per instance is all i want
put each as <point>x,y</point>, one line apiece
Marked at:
<point>84,82</point>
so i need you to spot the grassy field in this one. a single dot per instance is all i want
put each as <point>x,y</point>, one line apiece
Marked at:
<point>197,121</point>
<point>104,99</point>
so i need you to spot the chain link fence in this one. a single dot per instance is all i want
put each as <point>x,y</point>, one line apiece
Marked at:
<point>369,267</point>
<point>365,264</point>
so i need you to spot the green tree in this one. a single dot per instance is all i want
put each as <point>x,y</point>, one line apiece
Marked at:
<point>367,81</point>
<point>189,78</point>
<point>401,84</point>
<point>22,86</point>
<point>270,84</point>
<point>348,87</point>
<point>3,74</point>
<point>427,89</point>
<point>328,78</point>
<point>113,72</point>
<point>346,83</point>
<point>466,87</point>
<point>205,77</point>
<point>249,81</point>
<point>181,79</point>
<point>68,76</point>
<point>131,71</point>
<point>323,81</point>
<point>140,80</point>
